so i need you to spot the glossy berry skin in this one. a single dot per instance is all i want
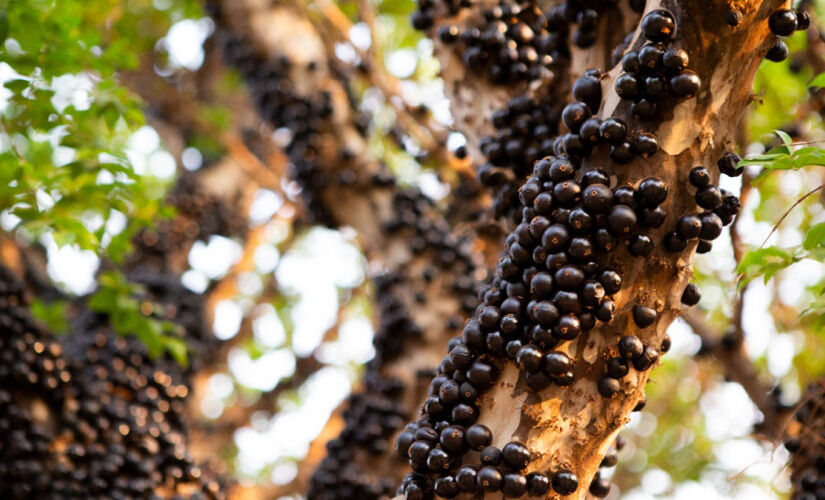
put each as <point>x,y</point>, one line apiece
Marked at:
<point>616,368</point>
<point>630,347</point>
<point>699,177</point>
<point>515,455</point>
<point>621,220</point>
<point>689,227</point>
<point>778,53</point>
<point>675,60</point>
<point>565,482</point>
<point>611,281</point>
<point>513,485</point>
<point>466,478</point>
<point>691,296</point>
<point>608,386</point>
<point>653,192</point>
<point>588,90</point>
<point>645,145</point>
<point>489,479</point>
<point>686,85</point>
<point>613,130</point>
<point>709,198</point>
<point>490,455</point>
<point>478,436</point>
<point>711,226</point>
<point>659,26</point>
<point>446,486</point>
<point>630,62</point>
<point>438,460</point>
<point>597,198</point>
<point>646,360</point>
<point>557,364</point>
<point>538,484</point>
<point>600,487</point>
<point>673,243</point>
<point>452,439</point>
<point>782,22</point>
<point>729,165</point>
<point>628,87</point>
<point>529,358</point>
<point>641,245</point>
<point>574,115</point>
<point>644,316</point>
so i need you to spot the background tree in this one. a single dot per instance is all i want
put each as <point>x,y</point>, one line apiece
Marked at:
<point>238,239</point>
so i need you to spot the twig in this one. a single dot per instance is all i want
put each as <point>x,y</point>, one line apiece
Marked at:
<point>788,211</point>
<point>738,368</point>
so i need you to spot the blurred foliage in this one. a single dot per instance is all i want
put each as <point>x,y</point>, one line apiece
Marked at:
<point>65,123</point>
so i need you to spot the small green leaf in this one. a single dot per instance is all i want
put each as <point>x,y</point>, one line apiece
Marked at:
<point>785,138</point>
<point>818,81</point>
<point>815,237</point>
<point>17,86</point>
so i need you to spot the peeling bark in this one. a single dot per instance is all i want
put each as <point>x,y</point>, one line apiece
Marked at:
<point>573,427</point>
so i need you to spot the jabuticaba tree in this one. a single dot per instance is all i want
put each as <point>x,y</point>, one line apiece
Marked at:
<point>428,281</point>
<point>90,414</point>
<point>531,396</point>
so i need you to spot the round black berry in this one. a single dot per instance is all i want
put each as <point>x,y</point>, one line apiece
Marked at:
<point>489,479</point>
<point>538,484</point>
<point>565,482</point>
<point>699,177</point>
<point>630,347</point>
<point>608,386</point>
<point>515,455</point>
<point>529,358</point>
<point>782,22</point>
<point>621,220</point>
<point>653,192</point>
<point>691,296</point>
<point>777,53</point>
<point>689,227</point>
<point>644,316</point>
<point>659,26</point>
<point>729,165</point>
<point>686,85</point>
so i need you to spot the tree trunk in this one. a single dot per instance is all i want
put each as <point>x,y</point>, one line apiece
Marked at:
<point>571,428</point>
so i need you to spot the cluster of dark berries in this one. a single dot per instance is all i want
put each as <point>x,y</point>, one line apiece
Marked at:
<point>92,416</point>
<point>198,216</point>
<point>516,41</point>
<point>512,45</point>
<point>500,469</point>
<point>783,23</point>
<point>303,117</point>
<point>549,289</point>
<point>804,442</point>
<point>588,131</point>
<point>525,130</point>
<point>656,74</point>
<point>720,208</point>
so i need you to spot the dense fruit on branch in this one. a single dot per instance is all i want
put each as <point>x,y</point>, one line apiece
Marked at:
<point>546,331</point>
<point>90,415</point>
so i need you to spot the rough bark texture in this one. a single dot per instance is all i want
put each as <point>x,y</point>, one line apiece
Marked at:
<point>573,427</point>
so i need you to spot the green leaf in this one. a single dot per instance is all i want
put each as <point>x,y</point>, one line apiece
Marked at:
<point>178,350</point>
<point>818,81</point>
<point>815,237</point>
<point>764,262</point>
<point>785,138</point>
<point>18,85</point>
